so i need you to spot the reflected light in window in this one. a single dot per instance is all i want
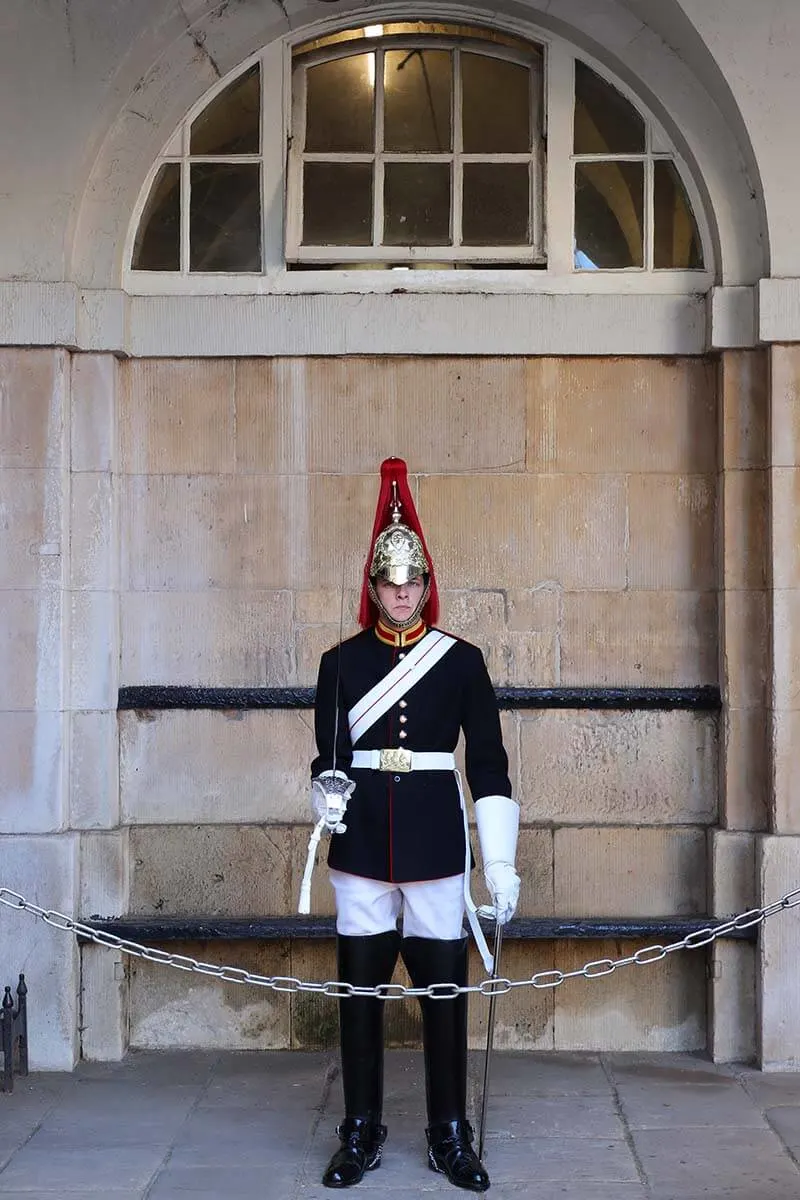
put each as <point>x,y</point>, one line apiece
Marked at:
<point>372,31</point>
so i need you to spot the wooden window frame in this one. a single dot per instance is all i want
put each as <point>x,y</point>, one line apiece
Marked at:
<point>530,254</point>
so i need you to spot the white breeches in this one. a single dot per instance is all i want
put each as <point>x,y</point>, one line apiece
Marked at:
<point>431,909</point>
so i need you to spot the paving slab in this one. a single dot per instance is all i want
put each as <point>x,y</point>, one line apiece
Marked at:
<point>785,1121</point>
<point>752,1162</point>
<point>80,1170</point>
<point>687,1106</point>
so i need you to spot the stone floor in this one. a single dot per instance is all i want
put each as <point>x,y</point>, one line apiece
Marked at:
<point>162,1126</point>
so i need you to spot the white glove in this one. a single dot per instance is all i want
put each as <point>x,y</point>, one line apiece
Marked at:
<point>502,882</point>
<point>498,825</point>
<point>330,792</point>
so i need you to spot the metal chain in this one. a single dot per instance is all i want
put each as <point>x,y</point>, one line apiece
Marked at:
<point>398,991</point>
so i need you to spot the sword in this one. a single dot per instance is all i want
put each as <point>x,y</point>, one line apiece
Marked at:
<point>498,945</point>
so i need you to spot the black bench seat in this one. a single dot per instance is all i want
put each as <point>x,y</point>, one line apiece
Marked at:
<point>270,929</point>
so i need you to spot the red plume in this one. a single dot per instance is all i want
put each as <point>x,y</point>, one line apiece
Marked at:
<point>394,470</point>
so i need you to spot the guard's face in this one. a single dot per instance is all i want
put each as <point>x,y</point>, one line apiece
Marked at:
<point>400,600</point>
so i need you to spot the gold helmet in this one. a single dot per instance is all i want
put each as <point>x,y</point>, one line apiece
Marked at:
<point>398,554</point>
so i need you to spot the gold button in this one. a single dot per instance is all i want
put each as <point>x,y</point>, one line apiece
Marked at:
<point>403,733</point>
<point>403,719</point>
<point>404,704</point>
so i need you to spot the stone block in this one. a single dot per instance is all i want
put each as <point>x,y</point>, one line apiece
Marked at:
<point>104,867</point>
<point>177,1010</point>
<point>208,766</point>
<point>732,1003</point>
<point>744,638</point>
<point>538,609</point>
<point>31,766</point>
<point>104,1004</point>
<point>30,650</point>
<point>629,872</point>
<point>495,530</point>
<point>660,1007</point>
<point>744,769</point>
<point>778,866</point>
<point>94,682</point>
<point>310,643</point>
<point>535,868</point>
<point>786,649</point>
<point>785,500</point>
<point>45,871</point>
<point>732,873</point>
<point>176,416</point>
<point>322,606</point>
<point>93,412</point>
<point>745,533</point>
<point>652,768</point>
<point>339,414</point>
<point>30,528</point>
<point>523,1016</point>
<point>211,870</point>
<point>94,770</point>
<point>672,532</point>
<point>744,388</point>
<point>207,638</point>
<point>784,801</point>
<point>639,639</point>
<point>477,616</point>
<point>92,531</point>
<point>200,532</point>
<point>523,659</point>
<point>784,408</point>
<point>33,389</point>
<point>621,414</point>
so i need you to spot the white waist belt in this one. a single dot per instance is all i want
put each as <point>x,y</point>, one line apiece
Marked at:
<point>400,759</point>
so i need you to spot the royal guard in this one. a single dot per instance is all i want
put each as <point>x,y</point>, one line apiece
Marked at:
<point>391,703</point>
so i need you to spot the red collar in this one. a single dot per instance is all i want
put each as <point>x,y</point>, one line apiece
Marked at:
<point>399,637</point>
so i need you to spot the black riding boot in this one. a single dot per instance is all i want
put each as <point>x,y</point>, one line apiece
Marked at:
<point>366,962</point>
<point>444,1031</point>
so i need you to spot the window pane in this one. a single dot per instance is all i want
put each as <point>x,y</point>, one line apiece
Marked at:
<point>158,238</point>
<point>417,90</point>
<point>605,122</point>
<point>496,204</point>
<point>609,206</point>
<point>225,217</point>
<point>339,104</point>
<point>416,203</point>
<point>676,240</point>
<point>337,204</point>
<point>231,123</point>
<point>496,105</point>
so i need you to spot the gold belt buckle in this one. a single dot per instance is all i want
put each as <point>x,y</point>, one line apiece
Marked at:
<point>395,760</point>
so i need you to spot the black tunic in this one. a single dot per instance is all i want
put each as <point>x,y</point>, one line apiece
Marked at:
<point>408,827</point>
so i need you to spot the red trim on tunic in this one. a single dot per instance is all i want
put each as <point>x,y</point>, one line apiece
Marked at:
<point>400,637</point>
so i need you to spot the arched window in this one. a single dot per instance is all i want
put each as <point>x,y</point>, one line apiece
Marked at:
<point>419,145</point>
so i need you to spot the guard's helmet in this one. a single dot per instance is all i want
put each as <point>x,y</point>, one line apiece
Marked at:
<point>398,551</point>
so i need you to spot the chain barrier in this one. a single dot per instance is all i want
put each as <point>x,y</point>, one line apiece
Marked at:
<point>597,969</point>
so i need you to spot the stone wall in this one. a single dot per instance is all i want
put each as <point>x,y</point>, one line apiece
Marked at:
<point>570,506</point>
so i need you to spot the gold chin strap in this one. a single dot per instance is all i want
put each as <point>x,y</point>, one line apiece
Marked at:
<point>390,621</point>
